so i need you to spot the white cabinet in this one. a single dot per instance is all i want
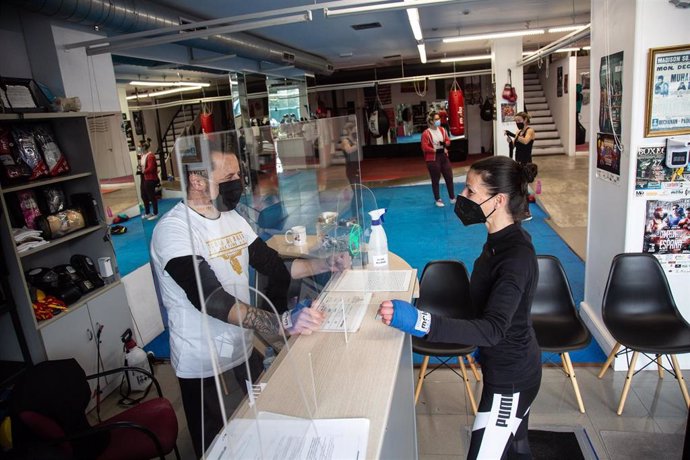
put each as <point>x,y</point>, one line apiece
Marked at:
<point>76,335</point>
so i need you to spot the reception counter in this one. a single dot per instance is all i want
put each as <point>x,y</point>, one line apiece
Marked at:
<point>369,376</point>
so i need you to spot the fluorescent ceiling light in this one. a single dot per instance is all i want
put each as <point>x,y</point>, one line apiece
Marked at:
<point>467,58</point>
<point>382,7</point>
<point>422,52</point>
<point>169,83</point>
<point>413,17</point>
<point>513,33</point>
<point>567,50</point>
<point>554,30</point>
<point>586,48</point>
<point>164,92</point>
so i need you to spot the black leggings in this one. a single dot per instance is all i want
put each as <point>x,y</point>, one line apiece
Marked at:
<point>500,428</point>
<point>437,167</point>
<point>148,195</point>
<point>208,411</point>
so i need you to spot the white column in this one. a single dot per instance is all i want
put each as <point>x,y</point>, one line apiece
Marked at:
<point>505,53</point>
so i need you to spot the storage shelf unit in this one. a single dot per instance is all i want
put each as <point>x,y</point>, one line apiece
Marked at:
<point>71,333</point>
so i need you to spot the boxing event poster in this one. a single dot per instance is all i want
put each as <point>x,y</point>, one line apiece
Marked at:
<point>608,158</point>
<point>667,227</point>
<point>654,178</point>
<point>611,82</point>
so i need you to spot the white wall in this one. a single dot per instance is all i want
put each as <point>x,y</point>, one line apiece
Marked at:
<point>616,217</point>
<point>562,108</point>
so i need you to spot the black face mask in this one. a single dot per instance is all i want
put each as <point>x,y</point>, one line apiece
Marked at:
<point>469,212</point>
<point>520,125</point>
<point>229,194</point>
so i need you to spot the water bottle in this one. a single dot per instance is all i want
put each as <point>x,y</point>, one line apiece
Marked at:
<point>538,188</point>
<point>269,356</point>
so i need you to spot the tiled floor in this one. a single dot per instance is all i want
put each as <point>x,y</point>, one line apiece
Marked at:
<point>652,424</point>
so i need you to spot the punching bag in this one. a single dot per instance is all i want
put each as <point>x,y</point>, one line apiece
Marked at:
<point>206,119</point>
<point>456,110</point>
<point>378,120</point>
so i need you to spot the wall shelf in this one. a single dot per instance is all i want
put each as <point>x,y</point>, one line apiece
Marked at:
<point>64,239</point>
<point>83,300</point>
<point>41,182</point>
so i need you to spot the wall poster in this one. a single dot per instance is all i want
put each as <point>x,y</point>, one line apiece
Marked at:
<point>608,158</point>
<point>559,81</point>
<point>667,233</point>
<point>508,111</point>
<point>654,178</point>
<point>668,95</point>
<point>611,82</point>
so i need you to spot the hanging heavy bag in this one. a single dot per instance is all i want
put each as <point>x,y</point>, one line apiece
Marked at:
<point>206,119</point>
<point>509,93</point>
<point>456,110</point>
<point>378,120</point>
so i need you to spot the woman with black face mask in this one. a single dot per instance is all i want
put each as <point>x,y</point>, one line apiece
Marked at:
<point>522,143</point>
<point>502,287</point>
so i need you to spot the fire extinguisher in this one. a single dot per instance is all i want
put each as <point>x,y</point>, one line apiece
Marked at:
<point>456,110</point>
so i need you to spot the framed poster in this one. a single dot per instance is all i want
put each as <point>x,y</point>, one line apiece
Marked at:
<point>565,83</point>
<point>668,97</point>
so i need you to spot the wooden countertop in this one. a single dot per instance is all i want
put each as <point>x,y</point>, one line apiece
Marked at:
<point>351,380</point>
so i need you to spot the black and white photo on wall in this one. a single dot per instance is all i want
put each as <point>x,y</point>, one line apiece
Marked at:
<point>559,81</point>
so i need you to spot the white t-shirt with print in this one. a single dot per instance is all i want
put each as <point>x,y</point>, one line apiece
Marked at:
<point>223,243</point>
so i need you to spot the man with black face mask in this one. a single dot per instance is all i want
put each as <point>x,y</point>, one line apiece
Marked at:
<point>502,287</point>
<point>205,235</point>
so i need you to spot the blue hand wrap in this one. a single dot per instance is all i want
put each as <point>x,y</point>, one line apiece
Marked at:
<point>409,319</point>
<point>289,318</point>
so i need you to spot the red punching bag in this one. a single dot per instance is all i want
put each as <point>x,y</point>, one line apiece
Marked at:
<point>206,119</point>
<point>456,110</point>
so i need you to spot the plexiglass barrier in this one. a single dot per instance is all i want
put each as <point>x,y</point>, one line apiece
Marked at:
<point>261,203</point>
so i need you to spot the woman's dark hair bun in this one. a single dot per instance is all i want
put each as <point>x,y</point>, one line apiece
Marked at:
<point>529,172</point>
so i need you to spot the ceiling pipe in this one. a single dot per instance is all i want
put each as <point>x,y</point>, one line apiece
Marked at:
<point>124,16</point>
<point>556,45</point>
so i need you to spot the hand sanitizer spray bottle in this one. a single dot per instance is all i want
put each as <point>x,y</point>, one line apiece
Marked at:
<point>378,243</point>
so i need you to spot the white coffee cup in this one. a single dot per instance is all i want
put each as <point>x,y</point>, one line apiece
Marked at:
<point>297,235</point>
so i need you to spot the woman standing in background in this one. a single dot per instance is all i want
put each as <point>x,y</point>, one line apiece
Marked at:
<point>435,144</point>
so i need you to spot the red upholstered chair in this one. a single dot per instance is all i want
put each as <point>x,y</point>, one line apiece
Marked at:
<point>48,406</point>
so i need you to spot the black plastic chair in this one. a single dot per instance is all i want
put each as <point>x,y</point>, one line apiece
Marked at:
<point>556,320</point>
<point>445,290</point>
<point>639,311</point>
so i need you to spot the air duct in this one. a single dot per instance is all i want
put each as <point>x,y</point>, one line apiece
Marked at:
<point>126,16</point>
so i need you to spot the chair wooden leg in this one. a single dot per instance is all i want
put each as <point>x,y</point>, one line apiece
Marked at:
<point>573,380</point>
<point>658,366</point>
<point>681,380</point>
<point>609,360</point>
<point>473,368</point>
<point>628,381</point>
<point>470,395</point>
<point>420,380</point>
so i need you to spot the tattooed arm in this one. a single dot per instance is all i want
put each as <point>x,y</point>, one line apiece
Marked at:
<point>267,325</point>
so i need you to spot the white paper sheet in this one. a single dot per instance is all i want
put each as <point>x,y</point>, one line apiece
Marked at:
<point>289,438</point>
<point>373,281</point>
<point>333,303</point>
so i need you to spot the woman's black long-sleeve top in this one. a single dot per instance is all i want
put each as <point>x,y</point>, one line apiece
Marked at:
<point>502,287</point>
